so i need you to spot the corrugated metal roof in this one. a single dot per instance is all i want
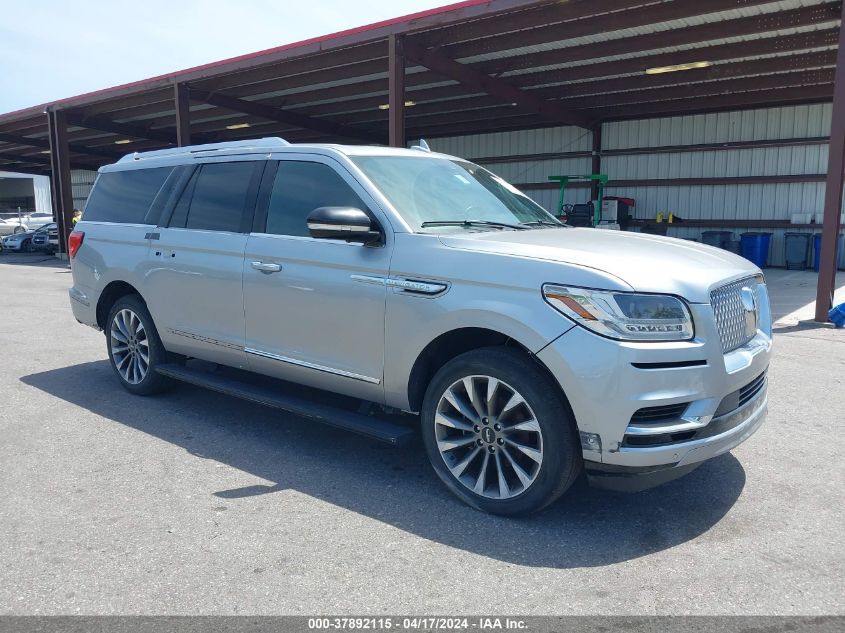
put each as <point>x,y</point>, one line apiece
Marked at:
<point>342,78</point>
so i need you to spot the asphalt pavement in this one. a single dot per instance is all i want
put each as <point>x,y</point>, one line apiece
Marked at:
<point>196,503</point>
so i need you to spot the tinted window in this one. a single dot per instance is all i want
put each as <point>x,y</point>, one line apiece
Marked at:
<point>301,187</point>
<point>219,197</point>
<point>125,196</point>
<point>180,211</point>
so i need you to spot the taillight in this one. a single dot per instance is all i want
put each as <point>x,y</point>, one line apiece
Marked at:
<point>75,241</point>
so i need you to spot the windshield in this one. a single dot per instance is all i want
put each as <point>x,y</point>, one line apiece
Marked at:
<point>428,192</point>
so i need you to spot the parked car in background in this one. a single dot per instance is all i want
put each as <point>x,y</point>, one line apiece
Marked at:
<point>37,220</point>
<point>527,351</point>
<point>20,242</point>
<point>46,239</point>
<point>11,224</point>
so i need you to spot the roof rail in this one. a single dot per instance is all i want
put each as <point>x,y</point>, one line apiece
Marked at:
<point>269,143</point>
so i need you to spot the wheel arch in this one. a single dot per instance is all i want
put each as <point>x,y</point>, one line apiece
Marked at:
<point>452,344</point>
<point>113,291</point>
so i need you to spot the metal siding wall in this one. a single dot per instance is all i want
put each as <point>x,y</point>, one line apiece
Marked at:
<point>43,200</point>
<point>81,181</point>
<point>775,201</point>
<point>40,187</point>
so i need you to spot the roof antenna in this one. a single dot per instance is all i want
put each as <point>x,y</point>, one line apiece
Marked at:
<point>422,146</point>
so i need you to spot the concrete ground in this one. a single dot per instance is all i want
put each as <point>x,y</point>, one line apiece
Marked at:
<point>194,502</point>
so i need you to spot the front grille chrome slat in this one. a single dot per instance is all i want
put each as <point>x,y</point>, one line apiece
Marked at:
<point>735,325</point>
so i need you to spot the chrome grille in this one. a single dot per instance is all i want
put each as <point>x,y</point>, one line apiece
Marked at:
<point>735,324</point>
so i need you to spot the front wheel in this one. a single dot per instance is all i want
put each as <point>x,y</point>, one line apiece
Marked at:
<point>135,349</point>
<point>499,432</point>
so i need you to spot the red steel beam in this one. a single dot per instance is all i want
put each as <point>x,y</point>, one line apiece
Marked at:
<point>494,87</point>
<point>596,161</point>
<point>60,175</point>
<point>396,91</point>
<point>756,98</point>
<point>182,101</point>
<point>833,189</point>
<point>272,113</point>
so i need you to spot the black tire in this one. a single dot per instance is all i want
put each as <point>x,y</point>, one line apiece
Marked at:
<point>561,452</point>
<point>152,382</point>
<point>26,247</point>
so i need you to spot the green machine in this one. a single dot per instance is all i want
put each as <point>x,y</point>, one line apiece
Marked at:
<point>600,179</point>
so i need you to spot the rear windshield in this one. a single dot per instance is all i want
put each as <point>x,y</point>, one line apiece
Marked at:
<point>125,196</point>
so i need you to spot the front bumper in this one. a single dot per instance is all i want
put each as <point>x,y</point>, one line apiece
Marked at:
<point>634,479</point>
<point>714,401</point>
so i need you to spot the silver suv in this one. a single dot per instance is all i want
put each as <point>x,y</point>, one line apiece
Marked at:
<point>402,290</point>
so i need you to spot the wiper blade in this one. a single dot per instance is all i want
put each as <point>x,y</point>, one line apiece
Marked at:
<point>542,223</point>
<point>498,225</point>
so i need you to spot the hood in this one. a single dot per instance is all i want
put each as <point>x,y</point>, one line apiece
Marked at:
<point>647,263</point>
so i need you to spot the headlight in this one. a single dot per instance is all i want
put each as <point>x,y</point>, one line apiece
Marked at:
<point>623,315</point>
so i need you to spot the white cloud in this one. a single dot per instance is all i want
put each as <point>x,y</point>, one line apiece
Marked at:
<point>53,49</point>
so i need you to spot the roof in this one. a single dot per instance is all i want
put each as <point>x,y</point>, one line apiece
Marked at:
<point>180,155</point>
<point>582,60</point>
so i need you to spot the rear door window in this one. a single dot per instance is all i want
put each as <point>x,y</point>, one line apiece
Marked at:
<point>125,196</point>
<point>217,197</point>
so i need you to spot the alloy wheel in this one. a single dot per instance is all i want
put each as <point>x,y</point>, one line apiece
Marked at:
<point>489,437</point>
<point>130,347</point>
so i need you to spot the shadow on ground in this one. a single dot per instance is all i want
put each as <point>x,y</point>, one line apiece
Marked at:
<point>32,259</point>
<point>584,529</point>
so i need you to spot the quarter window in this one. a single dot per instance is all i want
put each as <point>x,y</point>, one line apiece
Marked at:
<point>298,189</point>
<point>125,196</point>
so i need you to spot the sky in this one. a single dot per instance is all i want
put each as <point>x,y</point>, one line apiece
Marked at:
<point>51,49</point>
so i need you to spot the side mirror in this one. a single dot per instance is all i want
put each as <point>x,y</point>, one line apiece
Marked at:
<point>343,223</point>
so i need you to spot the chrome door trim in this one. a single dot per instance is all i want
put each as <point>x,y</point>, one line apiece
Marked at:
<point>205,339</point>
<point>422,287</point>
<point>366,279</point>
<point>323,368</point>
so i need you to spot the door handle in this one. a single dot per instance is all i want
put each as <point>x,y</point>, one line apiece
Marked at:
<point>265,267</point>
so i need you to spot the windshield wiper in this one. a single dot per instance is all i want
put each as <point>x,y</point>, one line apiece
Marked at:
<point>543,223</point>
<point>497,225</point>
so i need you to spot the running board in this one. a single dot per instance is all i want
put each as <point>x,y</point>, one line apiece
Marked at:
<point>389,432</point>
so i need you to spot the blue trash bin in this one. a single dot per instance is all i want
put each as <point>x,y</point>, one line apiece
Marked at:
<point>837,315</point>
<point>755,247</point>
<point>817,251</point>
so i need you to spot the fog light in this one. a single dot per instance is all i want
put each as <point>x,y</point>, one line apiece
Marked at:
<point>590,442</point>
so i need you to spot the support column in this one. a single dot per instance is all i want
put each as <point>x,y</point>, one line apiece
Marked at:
<point>833,187</point>
<point>396,86</point>
<point>596,164</point>
<point>183,114</point>
<point>62,192</point>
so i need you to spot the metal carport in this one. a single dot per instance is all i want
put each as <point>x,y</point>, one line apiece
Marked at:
<point>473,67</point>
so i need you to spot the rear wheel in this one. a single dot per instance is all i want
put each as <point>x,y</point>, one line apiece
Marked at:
<point>135,349</point>
<point>26,246</point>
<point>499,432</point>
